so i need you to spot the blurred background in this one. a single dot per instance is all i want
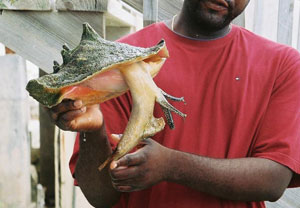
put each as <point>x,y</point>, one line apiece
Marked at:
<point>34,154</point>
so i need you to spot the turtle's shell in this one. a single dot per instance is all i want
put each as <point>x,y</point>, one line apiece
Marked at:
<point>91,57</point>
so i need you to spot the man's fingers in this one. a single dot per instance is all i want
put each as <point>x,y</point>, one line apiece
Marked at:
<point>124,173</point>
<point>124,188</point>
<point>131,159</point>
<point>70,115</point>
<point>67,105</point>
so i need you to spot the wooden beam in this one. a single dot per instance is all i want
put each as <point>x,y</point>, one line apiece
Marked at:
<point>150,11</point>
<point>79,5</point>
<point>14,142</point>
<point>47,175</point>
<point>39,36</point>
<point>166,8</point>
<point>25,4</point>
<point>285,21</point>
<point>137,4</point>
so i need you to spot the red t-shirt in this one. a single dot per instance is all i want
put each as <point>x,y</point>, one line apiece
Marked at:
<point>243,100</point>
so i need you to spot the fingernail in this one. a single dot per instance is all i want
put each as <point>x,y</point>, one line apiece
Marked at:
<point>113,165</point>
<point>77,103</point>
<point>116,135</point>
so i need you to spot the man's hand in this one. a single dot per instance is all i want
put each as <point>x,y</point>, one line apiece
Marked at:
<point>71,115</point>
<point>242,179</point>
<point>141,169</point>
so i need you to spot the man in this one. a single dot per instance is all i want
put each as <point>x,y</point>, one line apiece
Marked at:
<point>239,144</point>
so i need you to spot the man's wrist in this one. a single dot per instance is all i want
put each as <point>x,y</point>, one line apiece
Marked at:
<point>170,166</point>
<point>85,136</point>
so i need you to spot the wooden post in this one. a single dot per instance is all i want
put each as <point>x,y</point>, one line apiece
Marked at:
<point>150,11</point>
<point>285,21</point>
<point>14,143</point>
<point>47,155</point>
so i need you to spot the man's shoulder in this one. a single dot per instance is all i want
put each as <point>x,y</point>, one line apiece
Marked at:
<point>263,45</point>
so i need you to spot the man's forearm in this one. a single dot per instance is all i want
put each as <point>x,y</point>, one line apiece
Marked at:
<point>96,186</point>
<point>246,179</point>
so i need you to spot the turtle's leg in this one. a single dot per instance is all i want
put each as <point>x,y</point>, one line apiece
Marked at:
<point>165,104</point>
<point>167,107</point>
<point>167,112</point>
<point>169,117</point>
<point>172,97</point>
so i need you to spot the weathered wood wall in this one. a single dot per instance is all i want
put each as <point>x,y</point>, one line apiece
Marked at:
<point>150,11</point>
<point>14,142</point>
<point>166,8</point>
<point>79,5</point>
<point>39,38</point>
<point>25,4</point>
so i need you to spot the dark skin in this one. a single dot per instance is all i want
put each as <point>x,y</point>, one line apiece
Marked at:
<point>244,179</point>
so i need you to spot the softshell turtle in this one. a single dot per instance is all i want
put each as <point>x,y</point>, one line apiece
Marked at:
<point>98,70</point>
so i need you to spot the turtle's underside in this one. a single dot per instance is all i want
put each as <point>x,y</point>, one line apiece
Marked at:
<point>98,70</point>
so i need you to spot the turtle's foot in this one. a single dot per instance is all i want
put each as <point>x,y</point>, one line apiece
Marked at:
<point>167,107</point>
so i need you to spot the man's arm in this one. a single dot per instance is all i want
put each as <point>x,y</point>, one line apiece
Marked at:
<point>245,179</point>
<point>94,149</point>
<point>96,186</point>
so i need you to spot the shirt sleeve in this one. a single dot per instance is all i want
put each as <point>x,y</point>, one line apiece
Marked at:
<point>116,113</point>
<point>278,138</point>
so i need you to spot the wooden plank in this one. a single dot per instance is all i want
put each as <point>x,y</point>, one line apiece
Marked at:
<point>47,129</point>
<point>38,37</point>
<point>166,8</point>
<point>150,12</point>
<point>137,4</point>
<point>285,21</point>
<point>79,5</point>
<point>25,4</point>
<point>14,143</point>
<point>57,167</point>
<point>67,192</point>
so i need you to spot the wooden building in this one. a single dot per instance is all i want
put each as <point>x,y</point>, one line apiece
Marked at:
<point>36,30</point>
